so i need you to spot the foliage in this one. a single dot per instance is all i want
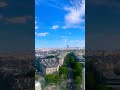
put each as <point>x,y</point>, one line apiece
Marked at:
<point>52,78</point>
<point>63,72</point>
<point>70,59</point>
<point>77,73</point>
<point>78,80</point>
<point>77,66</point>
<point>36,77</point>
<point>77,69</point>
<point>67,59</point>
<point>48,57</point>
<point>72,62</point>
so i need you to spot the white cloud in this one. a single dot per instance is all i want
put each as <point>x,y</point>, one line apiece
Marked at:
<point>36,27</point>
<point>75,14</point>
<point>65,40</point>
<point>55,27</point>
<point>55,6</point>
<point>43,34</point>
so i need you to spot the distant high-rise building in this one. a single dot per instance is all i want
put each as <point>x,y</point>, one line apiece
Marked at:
<point>67,46</point>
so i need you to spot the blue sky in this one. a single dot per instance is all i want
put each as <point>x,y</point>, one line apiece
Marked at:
<point>59,23</point>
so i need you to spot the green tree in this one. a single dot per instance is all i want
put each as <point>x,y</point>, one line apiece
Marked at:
<point>72,61</point>
<point>48,57</point>
<point>63,71</point>
<point>49,78</point>
<point>56,78</point>
<point>78,80</point>
<point>77,73</point>
<point>77,69</point>
<point>78,65</point>
<point>52,78</point>
<point>67,60</point>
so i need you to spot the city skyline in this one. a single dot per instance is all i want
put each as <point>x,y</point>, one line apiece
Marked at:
<point>59,23</point>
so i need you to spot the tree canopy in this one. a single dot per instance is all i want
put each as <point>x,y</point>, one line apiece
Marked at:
<point>52,78</point>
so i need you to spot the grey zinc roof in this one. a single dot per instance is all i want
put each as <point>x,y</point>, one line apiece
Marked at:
<point>50,63</point>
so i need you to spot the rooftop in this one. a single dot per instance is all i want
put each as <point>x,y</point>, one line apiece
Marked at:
<point>49,63</point>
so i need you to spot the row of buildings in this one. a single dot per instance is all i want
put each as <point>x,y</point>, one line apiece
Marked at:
<point>51,65</point>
